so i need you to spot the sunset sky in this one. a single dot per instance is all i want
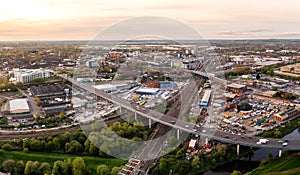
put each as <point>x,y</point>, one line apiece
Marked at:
<point>84,19</point>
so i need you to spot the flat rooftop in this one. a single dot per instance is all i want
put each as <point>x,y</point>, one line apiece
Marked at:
<point>18,105</point>
<point>48,89</point>
<point>147,90</point>
<point>237,86</point>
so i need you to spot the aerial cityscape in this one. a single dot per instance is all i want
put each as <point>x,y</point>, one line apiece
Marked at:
<point>161,88</point>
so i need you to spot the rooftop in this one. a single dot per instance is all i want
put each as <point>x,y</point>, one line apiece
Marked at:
<point>41,90</point>
<point>238,86</point>
<point>18,104</point>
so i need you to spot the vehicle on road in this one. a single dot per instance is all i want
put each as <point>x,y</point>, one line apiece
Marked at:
<point>234,139</point>
<point>285,144</point>
<point>263,141</point>
<point>226,136</point>
<point>280,141</point>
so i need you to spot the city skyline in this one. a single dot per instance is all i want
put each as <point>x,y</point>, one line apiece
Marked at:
<point>83,20</point>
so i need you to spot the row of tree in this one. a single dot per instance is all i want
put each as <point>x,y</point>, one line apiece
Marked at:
<point>69,166</point>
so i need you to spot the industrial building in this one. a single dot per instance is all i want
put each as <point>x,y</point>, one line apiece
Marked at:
<point>26,75</point>
<point>237,88</point>
<point>18,106</point>
<point>288,114</point>
<point>17,110</point>
<point>147,91</point>
<point>53,99</point>
<point>113,88</point>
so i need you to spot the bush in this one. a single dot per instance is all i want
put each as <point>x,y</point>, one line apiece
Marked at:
<point>25,150</point>
<point>6,147</point>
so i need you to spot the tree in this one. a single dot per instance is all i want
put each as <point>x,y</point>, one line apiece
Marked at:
<point>196,163</point>
<point>277,134</point>
<point>37,100</point>
<point>214,162</point>
<point>45,168</point>
<point>116,170</point>
<point>59,168</point>
<point>257,76</point>
<point>78,166</point>
<point>61,115</point>
<point>6,147</point>
<point>162,166</point>
<point>93,150</point>
<point>8,165</point>
<point>298,123</point>
<point>263,163</point>
<point>37,145</point>
<point>236,172</point>
<point>73,147</point>
<point>31,168</point>
<point>20,166</point>
<point>102,170</point>
<point>269,157</point>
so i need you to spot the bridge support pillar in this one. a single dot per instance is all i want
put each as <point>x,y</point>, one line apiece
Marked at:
<point>238,149</point>
<point>178,134</point>
<point>149,123</point>
<point>206,140</point>
<point>135,117</point>
<point>280,153</point>
<point>120,109</point>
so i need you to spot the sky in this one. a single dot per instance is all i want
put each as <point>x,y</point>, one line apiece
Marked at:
<point>86,19</point>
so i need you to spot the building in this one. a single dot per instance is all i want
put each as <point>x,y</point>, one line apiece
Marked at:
<point>192,144</point>
<point>18,106</point>
<point>147,91</point>
<point>53,99</point>
<point>288,114</point>
<point>113,88</point>
<point>17,110</point>
<point>26,75</point>
<point>49,90</point>
<point>237,88</point>
<point>167,85</point>
<point>91,64</point>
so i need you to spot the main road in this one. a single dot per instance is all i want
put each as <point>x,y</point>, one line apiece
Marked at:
<point>211,133</point>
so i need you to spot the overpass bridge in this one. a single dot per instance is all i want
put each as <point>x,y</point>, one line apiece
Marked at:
<point>180,125</point>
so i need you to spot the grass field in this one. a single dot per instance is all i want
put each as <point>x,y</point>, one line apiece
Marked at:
<point>90,161</point>
<point>288,165</point>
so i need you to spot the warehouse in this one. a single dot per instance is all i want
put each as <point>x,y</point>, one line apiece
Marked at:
<point>18,106</point>
<point>147,91</point>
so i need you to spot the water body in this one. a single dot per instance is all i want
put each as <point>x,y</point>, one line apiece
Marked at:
<point>244,165</point>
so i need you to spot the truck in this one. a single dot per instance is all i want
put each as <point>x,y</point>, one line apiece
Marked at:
<point>262,141</point>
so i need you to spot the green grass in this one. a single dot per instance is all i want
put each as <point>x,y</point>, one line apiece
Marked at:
<point>90,161</point>
<point>289,164</point>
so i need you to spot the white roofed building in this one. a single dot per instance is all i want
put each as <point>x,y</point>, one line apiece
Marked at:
<point>18,106</point>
